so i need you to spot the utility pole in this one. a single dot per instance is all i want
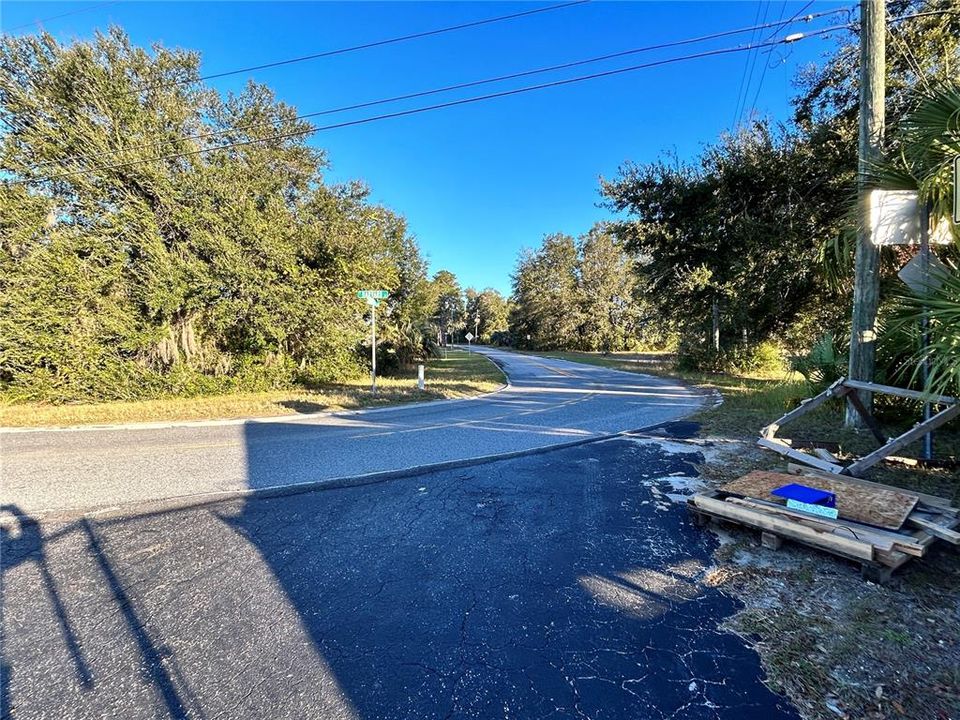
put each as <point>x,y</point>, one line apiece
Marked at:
<point>866,290</point>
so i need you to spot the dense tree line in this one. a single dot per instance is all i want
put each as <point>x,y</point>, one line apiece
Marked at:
<point>579,294</point>
<point>729,248</point>
<point>152,242</point>
<point>458,312</point>
<point>488,316</point>
<point>752,240</point>
<point>225,264</point>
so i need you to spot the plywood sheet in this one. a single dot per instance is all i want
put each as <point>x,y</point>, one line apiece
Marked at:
<point>886,508</point>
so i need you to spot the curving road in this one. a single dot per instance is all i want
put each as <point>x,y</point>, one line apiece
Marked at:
<point>548,402</point>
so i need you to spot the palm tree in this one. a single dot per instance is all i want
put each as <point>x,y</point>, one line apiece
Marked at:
<point>929,140</point>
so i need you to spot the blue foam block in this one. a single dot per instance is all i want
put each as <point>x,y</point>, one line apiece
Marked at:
<point>809,495</point>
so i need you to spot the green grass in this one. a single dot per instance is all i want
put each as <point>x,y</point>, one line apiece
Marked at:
<point>751,401</point>
<point>460,374</point>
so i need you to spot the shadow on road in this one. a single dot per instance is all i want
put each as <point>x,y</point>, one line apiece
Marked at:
<point>303,407</point>
<point>29,626</point>
<point>559,585</point>
<point>21,541</point>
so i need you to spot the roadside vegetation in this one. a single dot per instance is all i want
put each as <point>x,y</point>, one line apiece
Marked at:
<point>154,252</point>
<point>838,646</point>
<point>757,293</point>
<point>453,374</point>
<point>742,257</point>
<point>739,277</point>
<point>217,278</point>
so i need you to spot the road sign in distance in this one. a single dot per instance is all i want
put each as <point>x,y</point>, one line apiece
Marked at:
<point>373,294</point>
<point>469,337</point>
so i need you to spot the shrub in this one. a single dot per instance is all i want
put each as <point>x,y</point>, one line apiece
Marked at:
<point>825,362</point>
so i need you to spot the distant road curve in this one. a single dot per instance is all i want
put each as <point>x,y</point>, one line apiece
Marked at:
<point>548,402</point>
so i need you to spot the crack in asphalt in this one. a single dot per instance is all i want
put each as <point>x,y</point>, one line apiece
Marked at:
<point>561,585</point>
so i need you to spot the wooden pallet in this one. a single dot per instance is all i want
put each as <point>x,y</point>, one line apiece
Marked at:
<point>878,551</point>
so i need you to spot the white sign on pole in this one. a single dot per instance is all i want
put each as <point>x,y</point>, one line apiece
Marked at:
<point>912,274</point>
<point>895,219</point>
<point>469,336</point>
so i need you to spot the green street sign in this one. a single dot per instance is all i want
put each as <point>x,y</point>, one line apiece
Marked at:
<point>373,294</point>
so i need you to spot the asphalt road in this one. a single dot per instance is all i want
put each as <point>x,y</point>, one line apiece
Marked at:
<point>559,585</point>
<point>548,402</point>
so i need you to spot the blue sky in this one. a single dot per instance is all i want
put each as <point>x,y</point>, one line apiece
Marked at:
<point>477,182</point>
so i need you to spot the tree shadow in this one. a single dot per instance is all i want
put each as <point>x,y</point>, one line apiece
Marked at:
<point>533,587</point>
<point>303,407</point>
<point>555,585</point>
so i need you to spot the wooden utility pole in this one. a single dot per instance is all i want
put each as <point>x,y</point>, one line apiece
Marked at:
<point>866,290</point>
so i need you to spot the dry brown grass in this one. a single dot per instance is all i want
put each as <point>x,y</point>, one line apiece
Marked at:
<point>836,645</point>
<point>461,374</point>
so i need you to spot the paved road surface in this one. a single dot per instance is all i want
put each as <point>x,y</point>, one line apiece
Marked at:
<point>549,402</point>
<point>560,585</point>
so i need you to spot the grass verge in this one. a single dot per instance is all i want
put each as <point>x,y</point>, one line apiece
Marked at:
<point>460,374</point>
<point>837,646</point>
<point>751,401</point>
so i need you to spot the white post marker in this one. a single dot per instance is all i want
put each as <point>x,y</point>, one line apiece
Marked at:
<point>373,297</point>
<point>420,377</point>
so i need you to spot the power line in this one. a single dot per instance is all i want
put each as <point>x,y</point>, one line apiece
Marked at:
<point>921,76</point>
<point>799,12</point>
<point>452,103</point>
<point>61,15</point>
<point>365,46</point>
<point>746,64</point>
<point>766,62</point>
<point>796,37</point>
<point>448,88</point>
<point>753,66</point>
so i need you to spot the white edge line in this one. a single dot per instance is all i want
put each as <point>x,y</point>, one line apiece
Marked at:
<point>186,502</point>
<point>291,418</point>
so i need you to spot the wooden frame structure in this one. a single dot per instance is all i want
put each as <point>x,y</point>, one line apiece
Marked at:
<point>844,388</point>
